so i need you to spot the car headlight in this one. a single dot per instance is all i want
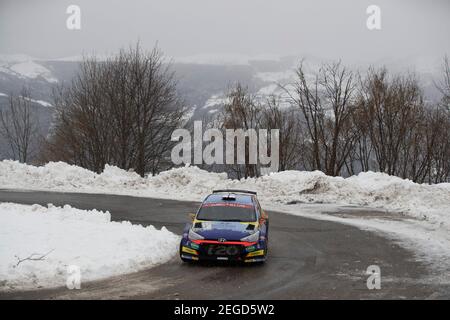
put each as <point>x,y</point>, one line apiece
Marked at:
<point>194,236</point>
<point>252,238</point>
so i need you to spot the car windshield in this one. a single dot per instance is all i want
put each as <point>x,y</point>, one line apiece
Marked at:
<point>227,212</point>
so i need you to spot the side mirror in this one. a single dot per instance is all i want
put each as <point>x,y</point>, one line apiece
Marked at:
<point>192,216</point>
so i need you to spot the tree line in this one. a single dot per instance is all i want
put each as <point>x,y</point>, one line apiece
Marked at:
<point>122,112</point>
<point>341,122</point>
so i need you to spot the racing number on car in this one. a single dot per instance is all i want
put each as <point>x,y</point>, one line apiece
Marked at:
<point>223,250</point>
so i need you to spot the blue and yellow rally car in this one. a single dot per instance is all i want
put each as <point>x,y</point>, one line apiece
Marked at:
<point>229,225</point>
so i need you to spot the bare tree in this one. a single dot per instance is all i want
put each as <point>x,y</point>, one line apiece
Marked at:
<point>391,109</point>
<point>241,112</point>
<point>438,121</point>
<point>360,158</point>
<point>120,112</point>
<point>444,84</point>
<point>19,126</point>
<point>326,106</point>
<point>290,132</point>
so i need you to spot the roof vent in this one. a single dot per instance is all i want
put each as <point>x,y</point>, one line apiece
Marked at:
<point>229,196</point>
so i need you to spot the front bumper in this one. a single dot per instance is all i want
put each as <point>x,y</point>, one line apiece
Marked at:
<point>211,250</point>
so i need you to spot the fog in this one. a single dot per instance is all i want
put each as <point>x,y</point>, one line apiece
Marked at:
<point>410,29</point>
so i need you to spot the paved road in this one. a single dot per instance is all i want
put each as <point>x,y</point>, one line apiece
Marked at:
<point>308,259</point>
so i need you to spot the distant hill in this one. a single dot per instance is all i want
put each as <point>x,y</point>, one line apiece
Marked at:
<point>202,80</point>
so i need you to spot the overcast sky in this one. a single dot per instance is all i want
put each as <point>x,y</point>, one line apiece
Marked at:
<point>326,29</point>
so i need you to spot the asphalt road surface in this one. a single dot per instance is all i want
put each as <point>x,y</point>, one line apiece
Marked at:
<point>308,259</point>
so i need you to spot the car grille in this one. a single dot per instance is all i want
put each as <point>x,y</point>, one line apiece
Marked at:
<point>222,250</point>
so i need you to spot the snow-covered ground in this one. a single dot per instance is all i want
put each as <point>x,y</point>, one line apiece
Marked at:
<point>57,238</point>
<point>416,214</point>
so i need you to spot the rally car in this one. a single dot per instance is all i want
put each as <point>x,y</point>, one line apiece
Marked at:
<point>229,225</point>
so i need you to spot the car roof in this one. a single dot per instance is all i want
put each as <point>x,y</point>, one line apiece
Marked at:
<point>240,198</point>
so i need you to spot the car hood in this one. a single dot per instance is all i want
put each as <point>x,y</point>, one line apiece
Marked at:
<point>231,231</point>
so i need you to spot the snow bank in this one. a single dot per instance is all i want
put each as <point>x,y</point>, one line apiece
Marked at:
<point>369,189</point>
<point>69,236</point>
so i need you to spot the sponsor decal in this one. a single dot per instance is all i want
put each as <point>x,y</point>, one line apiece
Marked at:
<point>222,204</point>
<point>207,225</point>
<point>255,253</point>
<point>223,250</point>
<point>250,248</point>
<point>188,250</point>
<point>194,246</point>
<point>225,225</point>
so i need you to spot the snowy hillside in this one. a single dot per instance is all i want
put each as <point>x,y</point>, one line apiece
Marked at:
<point>39,102</point>
<point>24,66</point>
